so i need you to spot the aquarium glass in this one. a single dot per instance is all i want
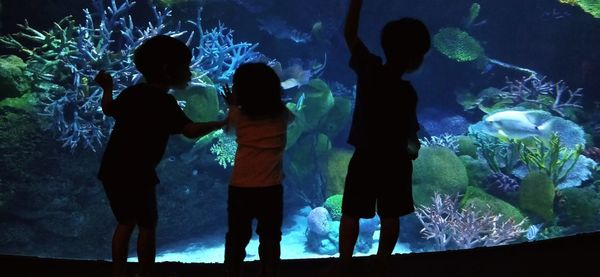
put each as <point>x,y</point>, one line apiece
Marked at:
<point>508,108</point>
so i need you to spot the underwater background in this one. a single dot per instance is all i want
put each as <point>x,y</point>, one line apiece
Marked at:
<point>508,106</point>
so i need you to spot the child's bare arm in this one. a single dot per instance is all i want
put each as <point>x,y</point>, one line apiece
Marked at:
<point>352,20</point>
<point>105,81</point>
<point>199,129</point>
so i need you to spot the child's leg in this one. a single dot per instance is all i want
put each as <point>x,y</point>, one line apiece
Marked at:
<point>120,249</point>
<point>146,250</point>
<point>390,230</point>
<point>239,219</point>
<point>270,218</point>
<point>349,227</point>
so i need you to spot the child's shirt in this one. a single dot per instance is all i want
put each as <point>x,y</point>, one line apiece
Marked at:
<point>144,118</point>
<point>385,108</point>
<point>261,143</point>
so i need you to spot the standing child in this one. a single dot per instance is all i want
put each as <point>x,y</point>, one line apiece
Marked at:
<point>145,115</point>
<point>259,119</point>
<point>384,101</point>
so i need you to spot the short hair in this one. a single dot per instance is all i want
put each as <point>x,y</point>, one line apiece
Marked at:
<point>158,51</point>
<point>258,90</point>
<point>405,37</point>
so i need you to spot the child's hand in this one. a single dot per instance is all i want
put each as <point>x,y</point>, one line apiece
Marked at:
<point>104,80</point>
<point>227,95</point>
<point>413,148</point>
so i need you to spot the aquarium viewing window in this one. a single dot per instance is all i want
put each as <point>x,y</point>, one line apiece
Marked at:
<point>508,108</point>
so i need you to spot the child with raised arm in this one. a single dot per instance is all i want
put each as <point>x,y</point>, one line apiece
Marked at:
<point>384,101</point>
<point>145,116</point>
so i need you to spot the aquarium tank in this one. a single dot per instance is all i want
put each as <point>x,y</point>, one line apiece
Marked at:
<point>509,108</point>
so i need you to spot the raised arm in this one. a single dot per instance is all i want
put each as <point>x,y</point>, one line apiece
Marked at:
<point>106,83</point>
<point>352,20</point>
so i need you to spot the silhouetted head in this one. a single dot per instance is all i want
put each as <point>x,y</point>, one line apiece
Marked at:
<point>405,42</point>
<point>163,59</point>
<point>258,90</point>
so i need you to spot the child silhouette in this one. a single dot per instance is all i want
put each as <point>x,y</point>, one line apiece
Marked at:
<point>145,116</point>
<point>383,101</point>
<point>259,118</point>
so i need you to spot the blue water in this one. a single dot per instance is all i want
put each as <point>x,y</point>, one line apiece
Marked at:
<point>531,66</point>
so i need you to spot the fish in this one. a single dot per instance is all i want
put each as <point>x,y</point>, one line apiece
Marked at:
<point>520,124</point>
<point>516,124</point>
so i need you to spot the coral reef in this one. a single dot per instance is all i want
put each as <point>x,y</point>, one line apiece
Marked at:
<point>451,227</point>
<point>590,6</point>
<point>224,149</point>
<point>70,56</point>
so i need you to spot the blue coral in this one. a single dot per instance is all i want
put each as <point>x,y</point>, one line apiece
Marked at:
<point>71,55</point>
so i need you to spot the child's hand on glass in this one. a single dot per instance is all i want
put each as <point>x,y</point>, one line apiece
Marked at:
<point>104,80</point>
<point>227,95</point>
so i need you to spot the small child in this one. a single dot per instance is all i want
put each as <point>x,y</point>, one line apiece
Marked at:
<point>384,101</point>
<point>145,116</point>
<point>259,118</point>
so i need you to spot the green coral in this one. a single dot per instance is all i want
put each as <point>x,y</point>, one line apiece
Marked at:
<point>590,6</point>
<point>501,155</point>
<point>224,149</point>
<point>536,195</point>
<point>551,158</point>
<point>467,146</point>
<point>485,202</point>
<point>458,45</point>
<point>337,118</point>
<point>477,170</point>
<point>201,103</point>
<point>336,170</point>
<point>333,204</point>
<point>580,207</point>
<point>13,79</point>
<point>437,170</point>
<point>317,103</point>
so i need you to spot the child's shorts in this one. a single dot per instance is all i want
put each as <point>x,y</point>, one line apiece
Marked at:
<point>132,203</point>
<point>374,184</point>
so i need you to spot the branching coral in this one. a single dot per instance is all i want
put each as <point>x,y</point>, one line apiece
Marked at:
<point>70,55</point>
<point>444,222</point>
<point>446,141</point>
<point>224,149</point>
<point>535,91</point>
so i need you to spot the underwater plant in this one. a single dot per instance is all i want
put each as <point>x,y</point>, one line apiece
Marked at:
<point>449,226</point>
<point>69,55</point>
<point>531,92</point>
<point>551,158</point>
<point>502,156</point>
